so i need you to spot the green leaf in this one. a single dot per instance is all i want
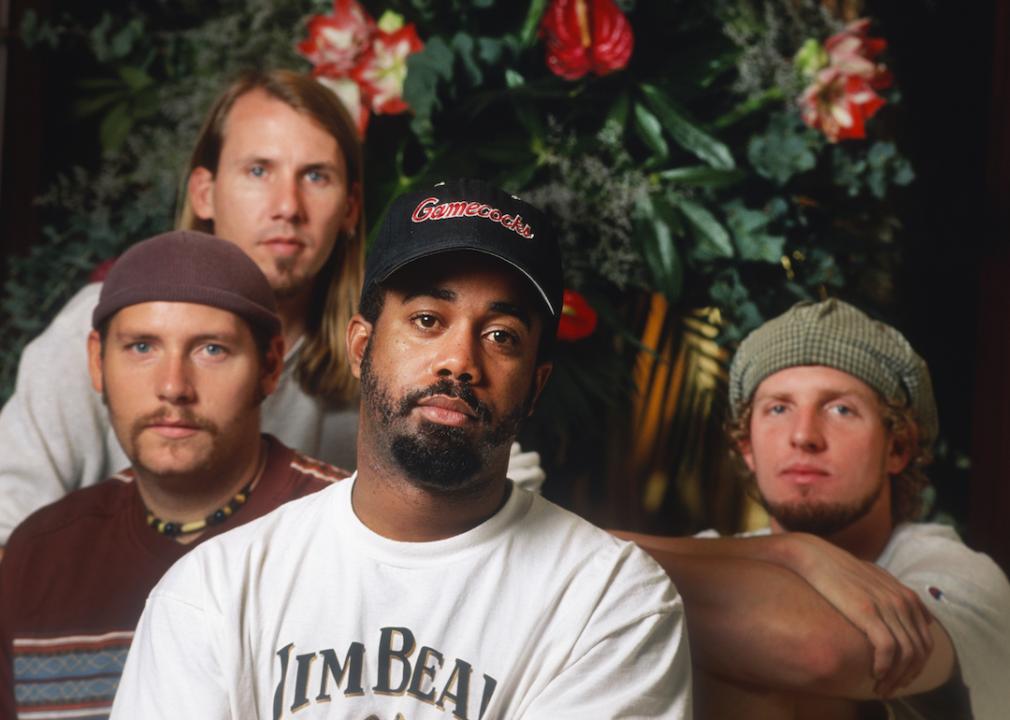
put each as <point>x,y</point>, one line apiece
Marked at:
<point>702,176</point>
<point>89,106</point>
<point>425,69</point>
<point>618,113</point>
<point>528,33</point>
<point>713,239</point>
<point>749,237</point>
<point>786,148</point>
<point>650,131</point>
<point>749,107</point>
<point>135,78</point>
<point>655,238</point>
<point>115,127</point>
<point>686,134</point>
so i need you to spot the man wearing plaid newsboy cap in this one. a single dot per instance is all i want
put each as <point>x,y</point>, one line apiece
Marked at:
<point>844,604</point>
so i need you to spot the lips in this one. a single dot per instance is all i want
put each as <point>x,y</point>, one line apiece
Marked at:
<point>446,410</point>
<point>805,473</point>
<point>174,428</point>
<point>284,246</point>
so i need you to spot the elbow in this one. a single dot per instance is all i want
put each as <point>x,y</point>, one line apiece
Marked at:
<point>826,665</point>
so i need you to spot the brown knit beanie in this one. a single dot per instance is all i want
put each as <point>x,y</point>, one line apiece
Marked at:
<point>187,266</point>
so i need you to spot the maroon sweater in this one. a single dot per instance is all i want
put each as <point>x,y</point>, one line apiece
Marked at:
<point>75,576</point>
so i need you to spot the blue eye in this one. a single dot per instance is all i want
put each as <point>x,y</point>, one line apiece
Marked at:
<point>214,350</point>
<point>316,176</point>
<point>257,171</point>
<point>140,347</point>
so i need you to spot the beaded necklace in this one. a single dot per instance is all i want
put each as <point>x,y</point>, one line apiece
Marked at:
<point>172,529</point>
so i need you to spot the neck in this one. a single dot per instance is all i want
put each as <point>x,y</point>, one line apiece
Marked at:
<point>292,310</point>
<point>188,498</point>
<point>390,504</point>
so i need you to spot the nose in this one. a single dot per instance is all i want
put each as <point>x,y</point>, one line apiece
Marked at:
<point>286,202</point>
<point>807,434</point>
<point>175,385</point>
<point>459,356</point>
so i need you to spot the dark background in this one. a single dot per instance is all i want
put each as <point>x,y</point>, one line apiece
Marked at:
<point>953,288</point>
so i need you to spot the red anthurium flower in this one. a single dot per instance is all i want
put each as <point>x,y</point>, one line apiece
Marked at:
<point>842,96</point>
<point>584,36</point>
<point>382,69</point>
<point>578,319</point>
<point>335,41</point>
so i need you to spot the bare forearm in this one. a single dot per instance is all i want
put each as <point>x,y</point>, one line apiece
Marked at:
<point>757,622</point>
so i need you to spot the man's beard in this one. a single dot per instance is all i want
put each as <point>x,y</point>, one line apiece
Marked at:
<point>439,458</point>
<point>286,283</point>
<point>823,519</point>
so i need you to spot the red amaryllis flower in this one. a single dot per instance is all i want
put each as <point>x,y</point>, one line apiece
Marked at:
<point>578,319</point>
<point>584,36</point>
<point>853,52</point>
<point>335,41</point>
<point>839,105</point>
<point>349,93</point>
<point>383,68</point>
<point>842,96</point>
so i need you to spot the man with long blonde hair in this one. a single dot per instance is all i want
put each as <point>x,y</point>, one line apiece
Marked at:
<point>277,170</point>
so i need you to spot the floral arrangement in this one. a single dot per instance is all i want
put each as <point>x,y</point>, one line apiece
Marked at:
<point>362,61</point>
<point>732,154</point>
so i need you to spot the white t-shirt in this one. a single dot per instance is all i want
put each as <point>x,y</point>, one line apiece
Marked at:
<point>533,614</point>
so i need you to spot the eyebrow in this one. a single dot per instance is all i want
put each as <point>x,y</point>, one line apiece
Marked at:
<point>499,306</point>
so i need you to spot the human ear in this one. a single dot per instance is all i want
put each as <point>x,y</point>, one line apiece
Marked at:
<point>359,333</point>
<point>540,375</point>
<point>200,189</point>
<point>273,365</point>
<point>746,450</point>
<point>349,225</point>
<point>899,451</point>
<point>95,361</point>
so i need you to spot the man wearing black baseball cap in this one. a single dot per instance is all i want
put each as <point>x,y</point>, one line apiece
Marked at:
<point>427,585</point>
<point>185,347</point>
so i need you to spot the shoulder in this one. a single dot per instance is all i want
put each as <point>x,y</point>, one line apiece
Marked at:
<point>73,513</point>
<point>562,538</point>
<point>227,561</point>
<point>309,467</point>
<point>934,550</point>
<point>75,316</point>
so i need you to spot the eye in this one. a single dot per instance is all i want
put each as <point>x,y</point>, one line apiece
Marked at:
<point>317,177</point>
<point>214,350</point>
<point>843,410</point>
<point>776,409</point>
<point>425,320</point>
<point>140,347</point>
<point>503,337</point>
<point>257,171</point>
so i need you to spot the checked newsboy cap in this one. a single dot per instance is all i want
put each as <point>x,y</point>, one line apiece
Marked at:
<point>837,335</point>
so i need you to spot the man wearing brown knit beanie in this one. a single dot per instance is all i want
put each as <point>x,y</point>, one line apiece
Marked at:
<point>186,344</point>
<point>277,170</point>
<point>844,607</point>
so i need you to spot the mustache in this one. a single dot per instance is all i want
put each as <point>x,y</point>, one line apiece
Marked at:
<point>450,389</point>
<point>177,415</point>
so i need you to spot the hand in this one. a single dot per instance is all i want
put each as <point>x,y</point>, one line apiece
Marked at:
<point>893,618</point>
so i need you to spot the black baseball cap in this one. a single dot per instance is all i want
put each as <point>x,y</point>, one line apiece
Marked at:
<point>469,215</point>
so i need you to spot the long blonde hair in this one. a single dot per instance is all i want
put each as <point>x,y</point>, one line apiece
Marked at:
<point>323,369</point>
